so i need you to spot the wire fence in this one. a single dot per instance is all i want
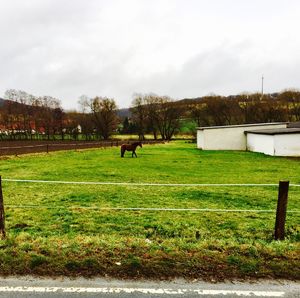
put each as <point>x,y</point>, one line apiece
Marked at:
<point>150,185</point>
<point>279,232</point>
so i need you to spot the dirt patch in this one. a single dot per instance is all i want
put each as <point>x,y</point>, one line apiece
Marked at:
<point>26,147</point>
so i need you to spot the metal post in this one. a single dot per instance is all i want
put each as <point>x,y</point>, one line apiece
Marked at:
<point>2,217</point>
<point>281,209</point>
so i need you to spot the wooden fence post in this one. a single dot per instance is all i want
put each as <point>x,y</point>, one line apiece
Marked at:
<point>2,218</point>
<point>281,209</point>
<point>47,148</point>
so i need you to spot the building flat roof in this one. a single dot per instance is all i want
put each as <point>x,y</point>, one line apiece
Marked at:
<point>241,125</point>
<point>294,124</point>
<point>274,131</point>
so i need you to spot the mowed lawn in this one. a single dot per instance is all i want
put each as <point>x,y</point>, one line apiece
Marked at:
<point>60,229</point>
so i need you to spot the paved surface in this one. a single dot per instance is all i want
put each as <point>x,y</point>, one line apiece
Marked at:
<point>64,287</point>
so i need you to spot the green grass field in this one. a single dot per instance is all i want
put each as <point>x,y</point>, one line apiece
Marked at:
<point>58,229</point>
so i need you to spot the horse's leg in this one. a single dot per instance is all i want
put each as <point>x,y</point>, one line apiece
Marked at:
<point>122,152</point>
<point>132,153</point>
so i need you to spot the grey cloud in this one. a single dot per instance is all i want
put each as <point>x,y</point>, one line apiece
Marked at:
<point>224,70</point>
<point>66,48</point>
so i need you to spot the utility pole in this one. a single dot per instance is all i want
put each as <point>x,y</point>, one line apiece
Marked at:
<point>262,86</point>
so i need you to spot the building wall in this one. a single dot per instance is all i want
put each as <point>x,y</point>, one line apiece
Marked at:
<point>287,144</point>
<point>228,137</point>
<point>278,145</point>
<point>260,143</point>
<point>225,139</point>
<point>200,139</point>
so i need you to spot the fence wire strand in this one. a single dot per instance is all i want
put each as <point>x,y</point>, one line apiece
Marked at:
<point>144,184</point>
<point>148,184</point>
<point>147,209</point>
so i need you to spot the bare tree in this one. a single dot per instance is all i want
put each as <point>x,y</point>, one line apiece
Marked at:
<point>151,105</point>
<point>139,114</point>
<point>26,112</point>
<point>104,111</point>
<point>167,117</point>
<point>22,110</point>
<point>47,119</point>
<point>156,114</point>
<point>83,118</point>
<point>199,114</point>
<point>291,99</point>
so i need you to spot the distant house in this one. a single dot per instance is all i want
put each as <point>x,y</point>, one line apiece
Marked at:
<point>278,139</point>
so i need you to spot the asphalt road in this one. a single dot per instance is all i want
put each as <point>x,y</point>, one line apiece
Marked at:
<point>63,287</point>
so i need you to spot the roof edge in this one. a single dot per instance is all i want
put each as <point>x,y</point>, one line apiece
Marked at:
<point>274,131</point>
<point>241,125</point>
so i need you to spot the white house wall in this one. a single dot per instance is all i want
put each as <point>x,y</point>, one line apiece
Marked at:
<point>287,144</point>
<point>200,139</point>
<point>225,139</point>
<point>260,143</point>
<point>228,137</point>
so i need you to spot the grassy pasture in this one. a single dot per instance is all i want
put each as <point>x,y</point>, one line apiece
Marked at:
<point>58,229</point>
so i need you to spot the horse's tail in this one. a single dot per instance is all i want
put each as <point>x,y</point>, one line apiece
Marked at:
<point>122,150</point>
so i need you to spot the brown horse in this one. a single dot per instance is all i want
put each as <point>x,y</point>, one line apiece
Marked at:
<point>130,147</point>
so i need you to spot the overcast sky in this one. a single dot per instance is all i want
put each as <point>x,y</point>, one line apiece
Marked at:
<point>180,48</point>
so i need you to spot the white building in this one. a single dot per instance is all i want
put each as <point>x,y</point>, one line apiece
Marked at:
<point>231,137</point>
<point>278,142</point>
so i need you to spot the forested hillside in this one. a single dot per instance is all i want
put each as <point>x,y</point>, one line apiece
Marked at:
<point>23,115</point>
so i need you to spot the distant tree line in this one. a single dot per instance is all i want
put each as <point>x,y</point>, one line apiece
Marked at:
<point>162,116</point>
<point>23,115</point>
<point>246,108</point>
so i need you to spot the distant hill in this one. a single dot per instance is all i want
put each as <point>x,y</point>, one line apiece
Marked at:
<point>123,113</point>
<point>198,99</point>
<point>189,100</point>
